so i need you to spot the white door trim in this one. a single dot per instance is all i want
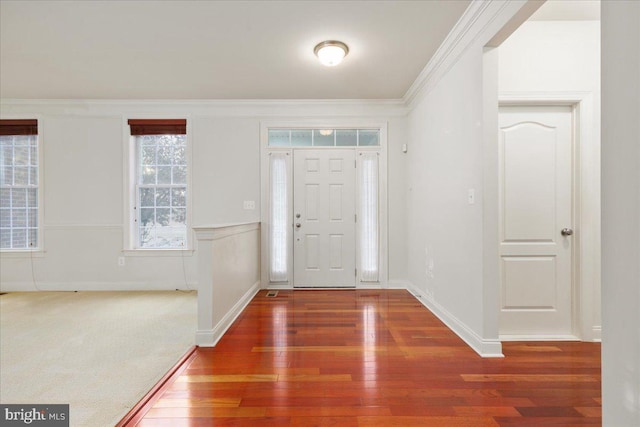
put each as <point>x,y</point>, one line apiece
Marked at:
<point>337,123</point>
<point>586,185</point>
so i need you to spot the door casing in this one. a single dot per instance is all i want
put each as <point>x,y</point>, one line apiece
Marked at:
<point>383,255</point>
<point>586,202</point>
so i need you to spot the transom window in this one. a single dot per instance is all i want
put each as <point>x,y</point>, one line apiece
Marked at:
<point>324,137</point>
<point>19,215</point>
<point>161,183</point>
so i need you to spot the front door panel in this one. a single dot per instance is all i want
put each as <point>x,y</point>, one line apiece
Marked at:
<point>324,218</point>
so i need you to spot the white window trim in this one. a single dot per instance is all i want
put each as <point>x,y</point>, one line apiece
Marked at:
<point>383,276</point>
<point>129,190</point>
<point>39,251</point>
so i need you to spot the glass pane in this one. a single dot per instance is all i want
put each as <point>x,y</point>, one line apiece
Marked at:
<point>164,154</point>
<point>347,138</point>
<point>5,218</point>
<point>178,216</point>
<point>5,197</point>
<point>301,138</point>
<point>146,236</point>
<point>33,155</point>
<point>32,217</point>
<point>147,216</point>
<point>179,155</point>
<point>278,138</point>
<point>368,218</point>
<point>19,238</point>
<point>21,175</point>
<point>162,216</point>
<point>21,155</point>
<point>323,138</point>
<point>19,198</point>
<point>164,174</point>
<point>5,238</point>
<point>367,138</point>
<point>179,174</point>
<point>147,197</point>
<point>278,270</point>
<point>178,197</point>
<point>5,140</point>
<point>33,175</point>
<point>148,175</point>
<point>32,197</point>
<point>6,156</point>
<point>6,175</point>
<point>148,154</point>
<point>162,196</point>
<point>18,218</point>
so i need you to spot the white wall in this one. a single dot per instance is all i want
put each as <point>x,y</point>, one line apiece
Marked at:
<point>620,213</point>
<point>448,157</point>
<point>83,148</point>
<point>555,57</point>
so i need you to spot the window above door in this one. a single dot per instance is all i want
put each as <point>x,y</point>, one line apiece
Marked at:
<point>324,137</point>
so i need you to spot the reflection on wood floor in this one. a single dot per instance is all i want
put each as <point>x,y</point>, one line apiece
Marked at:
<point>371,358</point>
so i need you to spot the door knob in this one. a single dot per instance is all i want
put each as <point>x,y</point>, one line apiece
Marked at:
<point>567,232</point>
<point>297,225</point>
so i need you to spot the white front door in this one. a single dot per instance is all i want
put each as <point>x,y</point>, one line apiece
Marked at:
<point>324,218</point>
<point>536,194</point>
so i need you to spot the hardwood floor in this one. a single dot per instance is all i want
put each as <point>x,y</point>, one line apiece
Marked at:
<point>371,358</point>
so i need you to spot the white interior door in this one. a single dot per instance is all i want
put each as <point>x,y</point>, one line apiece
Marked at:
<point>324,218</point>
<point>536,190</point>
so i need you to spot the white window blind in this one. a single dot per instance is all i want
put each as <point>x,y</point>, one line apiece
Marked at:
<point>279,218</point>
<point>368,217</point>
<point>19,192</point>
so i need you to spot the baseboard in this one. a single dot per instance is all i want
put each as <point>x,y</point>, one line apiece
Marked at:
<point>94,286</point>
<point>209,338</point>
<point>485,348</point>
<point>398,284</point>
<point>521,337</point>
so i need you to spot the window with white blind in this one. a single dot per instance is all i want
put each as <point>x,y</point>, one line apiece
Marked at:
<point>368,217</point>
<point>161,192</point>
<point>279,229</point>
<point>19,185</point>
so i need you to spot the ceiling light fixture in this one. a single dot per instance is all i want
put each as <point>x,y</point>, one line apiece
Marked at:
<point>331,52</point>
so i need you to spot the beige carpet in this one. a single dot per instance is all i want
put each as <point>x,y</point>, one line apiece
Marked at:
<point>100,352</point>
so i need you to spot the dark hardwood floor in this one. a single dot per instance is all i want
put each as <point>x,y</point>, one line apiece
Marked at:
<point>371,358</point>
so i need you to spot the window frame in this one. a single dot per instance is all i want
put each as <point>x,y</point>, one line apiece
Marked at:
<point>130,165</point>
<point>39,250</point>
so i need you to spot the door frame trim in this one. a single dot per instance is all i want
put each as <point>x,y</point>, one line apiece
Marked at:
<point>586,206</point>
<point>335,123</point>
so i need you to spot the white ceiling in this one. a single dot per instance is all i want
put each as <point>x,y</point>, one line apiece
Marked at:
<point>568,10</point>
<point>216,49</point>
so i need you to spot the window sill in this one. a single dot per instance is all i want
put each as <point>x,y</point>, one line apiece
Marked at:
<point>10,253</point>
<point>158,252</point>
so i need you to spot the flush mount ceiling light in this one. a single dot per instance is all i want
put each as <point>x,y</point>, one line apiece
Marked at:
<point>331,52</point>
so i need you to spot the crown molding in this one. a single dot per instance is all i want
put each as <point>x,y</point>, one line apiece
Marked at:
<point>471,28</point>
<point>263,108</point>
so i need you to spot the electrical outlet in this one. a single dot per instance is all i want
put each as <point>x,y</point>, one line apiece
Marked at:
<point>249,204</point>
<point>121,261</point>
